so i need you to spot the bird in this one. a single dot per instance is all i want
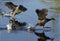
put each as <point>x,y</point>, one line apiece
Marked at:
<point>30,28</point>
<point>41,13</point>
<point>16,9</point>
<point>42,17</point>
<point>42,36</point>
<point>44,21</point>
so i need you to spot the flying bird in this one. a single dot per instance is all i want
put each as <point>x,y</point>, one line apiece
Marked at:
<point>42,17</point>
<point>15,8</point>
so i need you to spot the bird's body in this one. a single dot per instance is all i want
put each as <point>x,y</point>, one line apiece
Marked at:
<point>44,21</point>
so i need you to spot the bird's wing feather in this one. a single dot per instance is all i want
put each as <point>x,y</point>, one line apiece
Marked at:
<point>41,14</point>
<point>44,12</point>
<point>10,5</point>
<point>38,13</point>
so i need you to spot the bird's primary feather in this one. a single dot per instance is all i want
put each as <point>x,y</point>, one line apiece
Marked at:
<point>10,5</point>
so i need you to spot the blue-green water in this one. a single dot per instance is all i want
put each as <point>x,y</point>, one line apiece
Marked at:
<point>31,17</point>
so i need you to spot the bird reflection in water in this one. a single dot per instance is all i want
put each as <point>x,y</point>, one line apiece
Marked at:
<point>15,25</point>
<point>42,36</point>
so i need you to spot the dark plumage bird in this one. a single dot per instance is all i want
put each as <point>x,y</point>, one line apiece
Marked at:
<point>42,17</point>
<point>15,8</point>
<point>42,13</point>
<point>44,21</point>
<point>42,36</point>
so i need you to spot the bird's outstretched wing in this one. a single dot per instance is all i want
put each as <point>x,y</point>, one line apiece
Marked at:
<point>10,5</point>
<point>44,12</point>
<point>41,13</point>
<point>15,8</point>
<point>19,9</point>
<point>38,12</point>
<point>22,8</point>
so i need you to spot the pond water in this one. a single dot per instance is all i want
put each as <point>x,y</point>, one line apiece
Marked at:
<point>31,17</point>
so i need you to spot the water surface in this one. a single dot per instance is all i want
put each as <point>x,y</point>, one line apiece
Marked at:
<point>31,17</point>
